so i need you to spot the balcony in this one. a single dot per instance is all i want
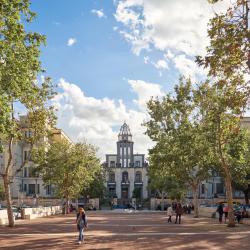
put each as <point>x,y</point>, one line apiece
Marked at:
<point>125,182</point>
<point>138,183</point>
<point>111,182</point>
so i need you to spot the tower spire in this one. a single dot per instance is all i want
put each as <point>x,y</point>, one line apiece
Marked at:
<point>125,134</point>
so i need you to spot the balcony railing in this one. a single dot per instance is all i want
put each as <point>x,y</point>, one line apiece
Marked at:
<point>138,183</point>
<point>125,182</point>
<point>110,182</point>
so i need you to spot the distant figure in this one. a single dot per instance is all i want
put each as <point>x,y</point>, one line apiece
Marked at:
<point>225,210</point>
<point>178,212</point>
<point>238,216</point>
<point>220,212</point>
<point>170,213</point>
<point>81,222</point>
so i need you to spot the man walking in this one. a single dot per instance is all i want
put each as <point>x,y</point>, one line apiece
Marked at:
<point>178,212</point>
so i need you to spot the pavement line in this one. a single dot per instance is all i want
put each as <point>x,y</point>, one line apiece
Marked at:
<point>96,234</point>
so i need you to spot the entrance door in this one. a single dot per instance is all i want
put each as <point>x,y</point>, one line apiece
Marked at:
<point>124,192</point>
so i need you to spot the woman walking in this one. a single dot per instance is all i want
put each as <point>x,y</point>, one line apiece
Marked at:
<point>81,222</point>
<point>170,213</point>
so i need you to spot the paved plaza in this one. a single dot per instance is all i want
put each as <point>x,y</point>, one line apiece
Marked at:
<point>127,230</point>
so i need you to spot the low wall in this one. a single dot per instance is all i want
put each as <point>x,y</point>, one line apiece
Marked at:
<point>4,217</point>
<point>32,213</point>
<point>94,203</point>
<point>207,211</point>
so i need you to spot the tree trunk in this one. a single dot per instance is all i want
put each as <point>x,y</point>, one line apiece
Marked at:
<point>8,200</point>
<point>196,201</point>
<point>228,183</point>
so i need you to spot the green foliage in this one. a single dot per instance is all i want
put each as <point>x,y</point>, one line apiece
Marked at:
<point>71,168</point>
<point>225,101</point>
<point>176,126</point>
<point>96,188</point>
<point>19,69</point>
<point>137,193</point>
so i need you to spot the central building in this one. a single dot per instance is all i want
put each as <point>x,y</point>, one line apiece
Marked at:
<point>126,172</point>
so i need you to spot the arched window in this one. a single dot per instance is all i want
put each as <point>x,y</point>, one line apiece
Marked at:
<point>138,177</point>
<point>125,176</point>
<point>112,177</point>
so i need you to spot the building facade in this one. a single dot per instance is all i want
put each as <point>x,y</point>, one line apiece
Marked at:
<point>27,183</point>
<point>126,172</point>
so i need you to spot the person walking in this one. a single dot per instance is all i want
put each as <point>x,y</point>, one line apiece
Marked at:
<point>81,222</point>
<point>170,213</point>
<point>178,212</point>
<point>220,211</point>
<point>225,210</point>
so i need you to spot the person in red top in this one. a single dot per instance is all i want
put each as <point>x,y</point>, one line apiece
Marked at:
<point>225,210</point>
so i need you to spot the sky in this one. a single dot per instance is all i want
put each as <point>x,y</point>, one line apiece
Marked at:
<point>109,57</point>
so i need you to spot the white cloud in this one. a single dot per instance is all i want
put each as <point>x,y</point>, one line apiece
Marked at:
<point>144,92</point>
<point>99,13</point>
<point>71,41</point>
<point>188,67</point>
<point>97,120</point>
<point>169,54</point>
<point>146,59</point>
<point>165,25</point>
<point>161,64</point>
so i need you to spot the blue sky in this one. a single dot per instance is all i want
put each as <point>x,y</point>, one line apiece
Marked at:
<point>100,59</point>
<point>109,57</point>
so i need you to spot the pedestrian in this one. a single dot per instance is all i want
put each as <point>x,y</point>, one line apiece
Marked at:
<point>238,216</point>
<point>178,212</point>
<point>170,213</point>
<point>220,211</point>
<point>225,210</point>
<point>81,222</point>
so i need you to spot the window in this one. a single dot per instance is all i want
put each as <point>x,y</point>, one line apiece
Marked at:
<point>25,172</point>
<point>124,163</point>
<point>38,188</point>
<point>120,150</point>
<point>203,188</point>
<point>219,188</point>
<point>125,177</point>
<point>137,163</point>
<point>32,188</point>
<point>112,164</point>
<point>26,155</point>
<point>138,178</point>
<point>25,187</point>
<point>112,177</point>
<point>48,190</point>
<point>28,133</point>
<point>128,150</point>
